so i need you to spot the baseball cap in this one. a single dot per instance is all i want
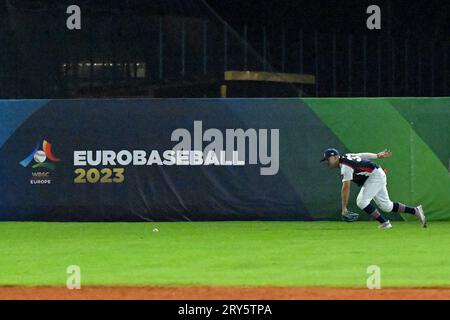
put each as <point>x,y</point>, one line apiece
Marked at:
<point>329,153</point>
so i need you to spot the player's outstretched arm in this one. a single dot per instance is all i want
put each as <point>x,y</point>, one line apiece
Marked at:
<point>368,156</point>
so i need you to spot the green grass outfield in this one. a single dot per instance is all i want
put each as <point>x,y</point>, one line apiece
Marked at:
<point>330,254</point>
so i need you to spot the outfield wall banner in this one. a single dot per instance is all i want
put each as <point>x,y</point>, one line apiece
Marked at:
<point>213,159</point>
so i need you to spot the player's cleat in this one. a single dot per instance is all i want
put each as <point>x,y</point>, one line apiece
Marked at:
<point>421,215</point>
<point>385,225</point>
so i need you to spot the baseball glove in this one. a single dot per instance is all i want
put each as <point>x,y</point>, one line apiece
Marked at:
<point>350,216</point>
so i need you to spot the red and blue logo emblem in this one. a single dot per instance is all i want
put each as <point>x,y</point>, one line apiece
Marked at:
<point>41,157</point>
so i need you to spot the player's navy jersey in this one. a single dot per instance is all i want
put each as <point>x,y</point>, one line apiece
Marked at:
<point>354,168</point>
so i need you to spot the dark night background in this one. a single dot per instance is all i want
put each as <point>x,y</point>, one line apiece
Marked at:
<point>402,17</point>
<point>186,45</point>
<point>413,18</point>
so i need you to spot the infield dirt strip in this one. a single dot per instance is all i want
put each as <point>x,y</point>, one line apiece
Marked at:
<point>217,293</point>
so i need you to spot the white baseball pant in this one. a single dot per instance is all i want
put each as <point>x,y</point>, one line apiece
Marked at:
<point>375,189</point>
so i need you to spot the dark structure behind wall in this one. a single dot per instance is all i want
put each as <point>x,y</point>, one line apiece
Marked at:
<point>181,48</point>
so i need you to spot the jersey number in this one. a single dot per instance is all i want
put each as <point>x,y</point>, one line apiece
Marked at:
<point>354,158</point>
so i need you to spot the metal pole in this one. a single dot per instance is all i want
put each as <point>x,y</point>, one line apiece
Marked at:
<point>91,67</point>
<point>419,66</point>
<point>205,46</point>
<point>283,49</point>
<point>183,48</point>
<point>393,67</point>
<point>316,54</point>
<point>406,69</point>
<point>225,48</point>
<point>444,83</point>
<point>349,93</point>
<point>245,48</point>
<point>334,66</point>
<point>365,65</point>
<point>264,48</point>
<point>300,52</point>
<point>160,48</point>
<point>379,67</point>
<point>432,68</point>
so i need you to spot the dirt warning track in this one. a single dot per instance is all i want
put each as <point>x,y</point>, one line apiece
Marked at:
<point>217,293</point>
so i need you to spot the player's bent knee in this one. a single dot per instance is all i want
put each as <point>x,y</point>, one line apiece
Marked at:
<point>362,203</point>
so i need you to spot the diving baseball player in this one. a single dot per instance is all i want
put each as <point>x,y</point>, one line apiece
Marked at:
<point>372,180</point>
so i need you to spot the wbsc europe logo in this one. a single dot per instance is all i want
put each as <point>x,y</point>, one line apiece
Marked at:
<point>43,161</point>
